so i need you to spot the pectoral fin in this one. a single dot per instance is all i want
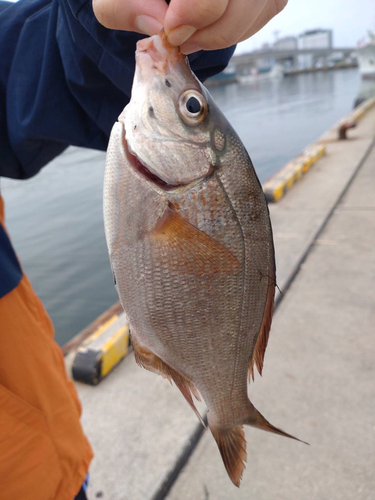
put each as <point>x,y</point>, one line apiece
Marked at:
<point>189,250</point>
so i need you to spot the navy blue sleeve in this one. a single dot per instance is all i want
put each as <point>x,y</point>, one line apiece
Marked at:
<point>64,79</point>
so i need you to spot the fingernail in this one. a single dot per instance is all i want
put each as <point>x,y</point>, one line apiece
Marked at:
<point>179,35</point>
<point>148,25</point>
<point>190,48</point>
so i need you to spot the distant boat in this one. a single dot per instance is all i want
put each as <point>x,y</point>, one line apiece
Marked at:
<point>256,75</point>
<point>366,91</point>
<point>223,78</point>
<point>366,56</point>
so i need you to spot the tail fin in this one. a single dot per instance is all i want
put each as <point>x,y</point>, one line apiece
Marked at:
<point>232,443</point>
<point>256,419</point>
<point>232,447</point>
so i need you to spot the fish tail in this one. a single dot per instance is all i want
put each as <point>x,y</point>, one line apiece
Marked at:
<point>256,419</point>
<point>232,444</point>
<point>232,447</point>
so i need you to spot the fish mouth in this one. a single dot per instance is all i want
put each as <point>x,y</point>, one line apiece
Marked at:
<point>147,173</point>
<point>156,54</point>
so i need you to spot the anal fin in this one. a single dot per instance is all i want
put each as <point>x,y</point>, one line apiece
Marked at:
<point>148,360</point>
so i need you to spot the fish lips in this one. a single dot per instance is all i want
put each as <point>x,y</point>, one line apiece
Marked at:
<point>147,173</point>
<point>156,55</point>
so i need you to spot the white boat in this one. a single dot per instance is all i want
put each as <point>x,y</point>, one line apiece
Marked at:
<point>256,75</point>
<point>366,57</point>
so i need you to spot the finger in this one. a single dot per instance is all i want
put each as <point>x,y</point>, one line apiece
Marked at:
<point>184,17</point>
<point>235,26</point>
<point>141,16</point>
<point>266,15</point>
<point>230,27</point>
<point>189,48</point>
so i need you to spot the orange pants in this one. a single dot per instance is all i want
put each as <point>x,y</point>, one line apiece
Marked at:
<point>44,454</point>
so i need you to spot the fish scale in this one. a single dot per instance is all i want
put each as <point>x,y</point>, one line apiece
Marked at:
<point>190,245</point>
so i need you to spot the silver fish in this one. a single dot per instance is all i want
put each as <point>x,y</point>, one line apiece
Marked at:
<point>190,244</point>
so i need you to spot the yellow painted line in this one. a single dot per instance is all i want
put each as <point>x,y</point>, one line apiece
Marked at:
<point>100,330</point>
<point>278,191</point>
<point>322,150</point>
<point>102,351</point>
<point>114,350</point>
<point>284,180</point>
<point>306,164</point>
<point>289,180</point>
<point>289,167</point>
<point>298,169</point>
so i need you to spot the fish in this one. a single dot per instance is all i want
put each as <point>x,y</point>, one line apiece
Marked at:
<point>190,245</point>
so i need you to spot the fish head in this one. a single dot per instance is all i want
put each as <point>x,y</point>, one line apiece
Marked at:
<point>168,121</point>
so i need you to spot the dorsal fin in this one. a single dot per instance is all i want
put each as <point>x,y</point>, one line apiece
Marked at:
<point>264,332</point>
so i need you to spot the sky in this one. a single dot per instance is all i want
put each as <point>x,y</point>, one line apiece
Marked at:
<point>349,19</point>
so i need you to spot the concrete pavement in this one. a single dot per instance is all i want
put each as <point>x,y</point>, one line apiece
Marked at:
<point>318,381</point>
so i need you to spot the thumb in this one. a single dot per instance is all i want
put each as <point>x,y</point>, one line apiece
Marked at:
<point>141,16</point>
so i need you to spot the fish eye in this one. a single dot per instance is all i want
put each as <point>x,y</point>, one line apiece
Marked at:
<point>192,107</point>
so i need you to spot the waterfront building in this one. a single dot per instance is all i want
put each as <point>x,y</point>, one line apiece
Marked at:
<point>286,43</point>
<point>313,39</point>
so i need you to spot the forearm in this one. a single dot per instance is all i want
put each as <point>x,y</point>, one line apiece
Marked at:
<point>64,79</point>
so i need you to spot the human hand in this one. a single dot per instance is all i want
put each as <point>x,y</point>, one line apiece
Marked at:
<point>216,24</point>
<point>141,16</point>
<point>191,24</point>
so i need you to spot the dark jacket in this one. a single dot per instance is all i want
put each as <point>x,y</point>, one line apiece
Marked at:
<point>64,79</point>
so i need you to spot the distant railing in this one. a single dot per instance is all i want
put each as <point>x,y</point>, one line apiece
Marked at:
<point>286,53</point>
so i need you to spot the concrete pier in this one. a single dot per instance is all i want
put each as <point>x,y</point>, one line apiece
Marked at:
<point>318,381</point>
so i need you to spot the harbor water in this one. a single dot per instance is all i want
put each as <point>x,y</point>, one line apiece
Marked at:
<point>55,219</point>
